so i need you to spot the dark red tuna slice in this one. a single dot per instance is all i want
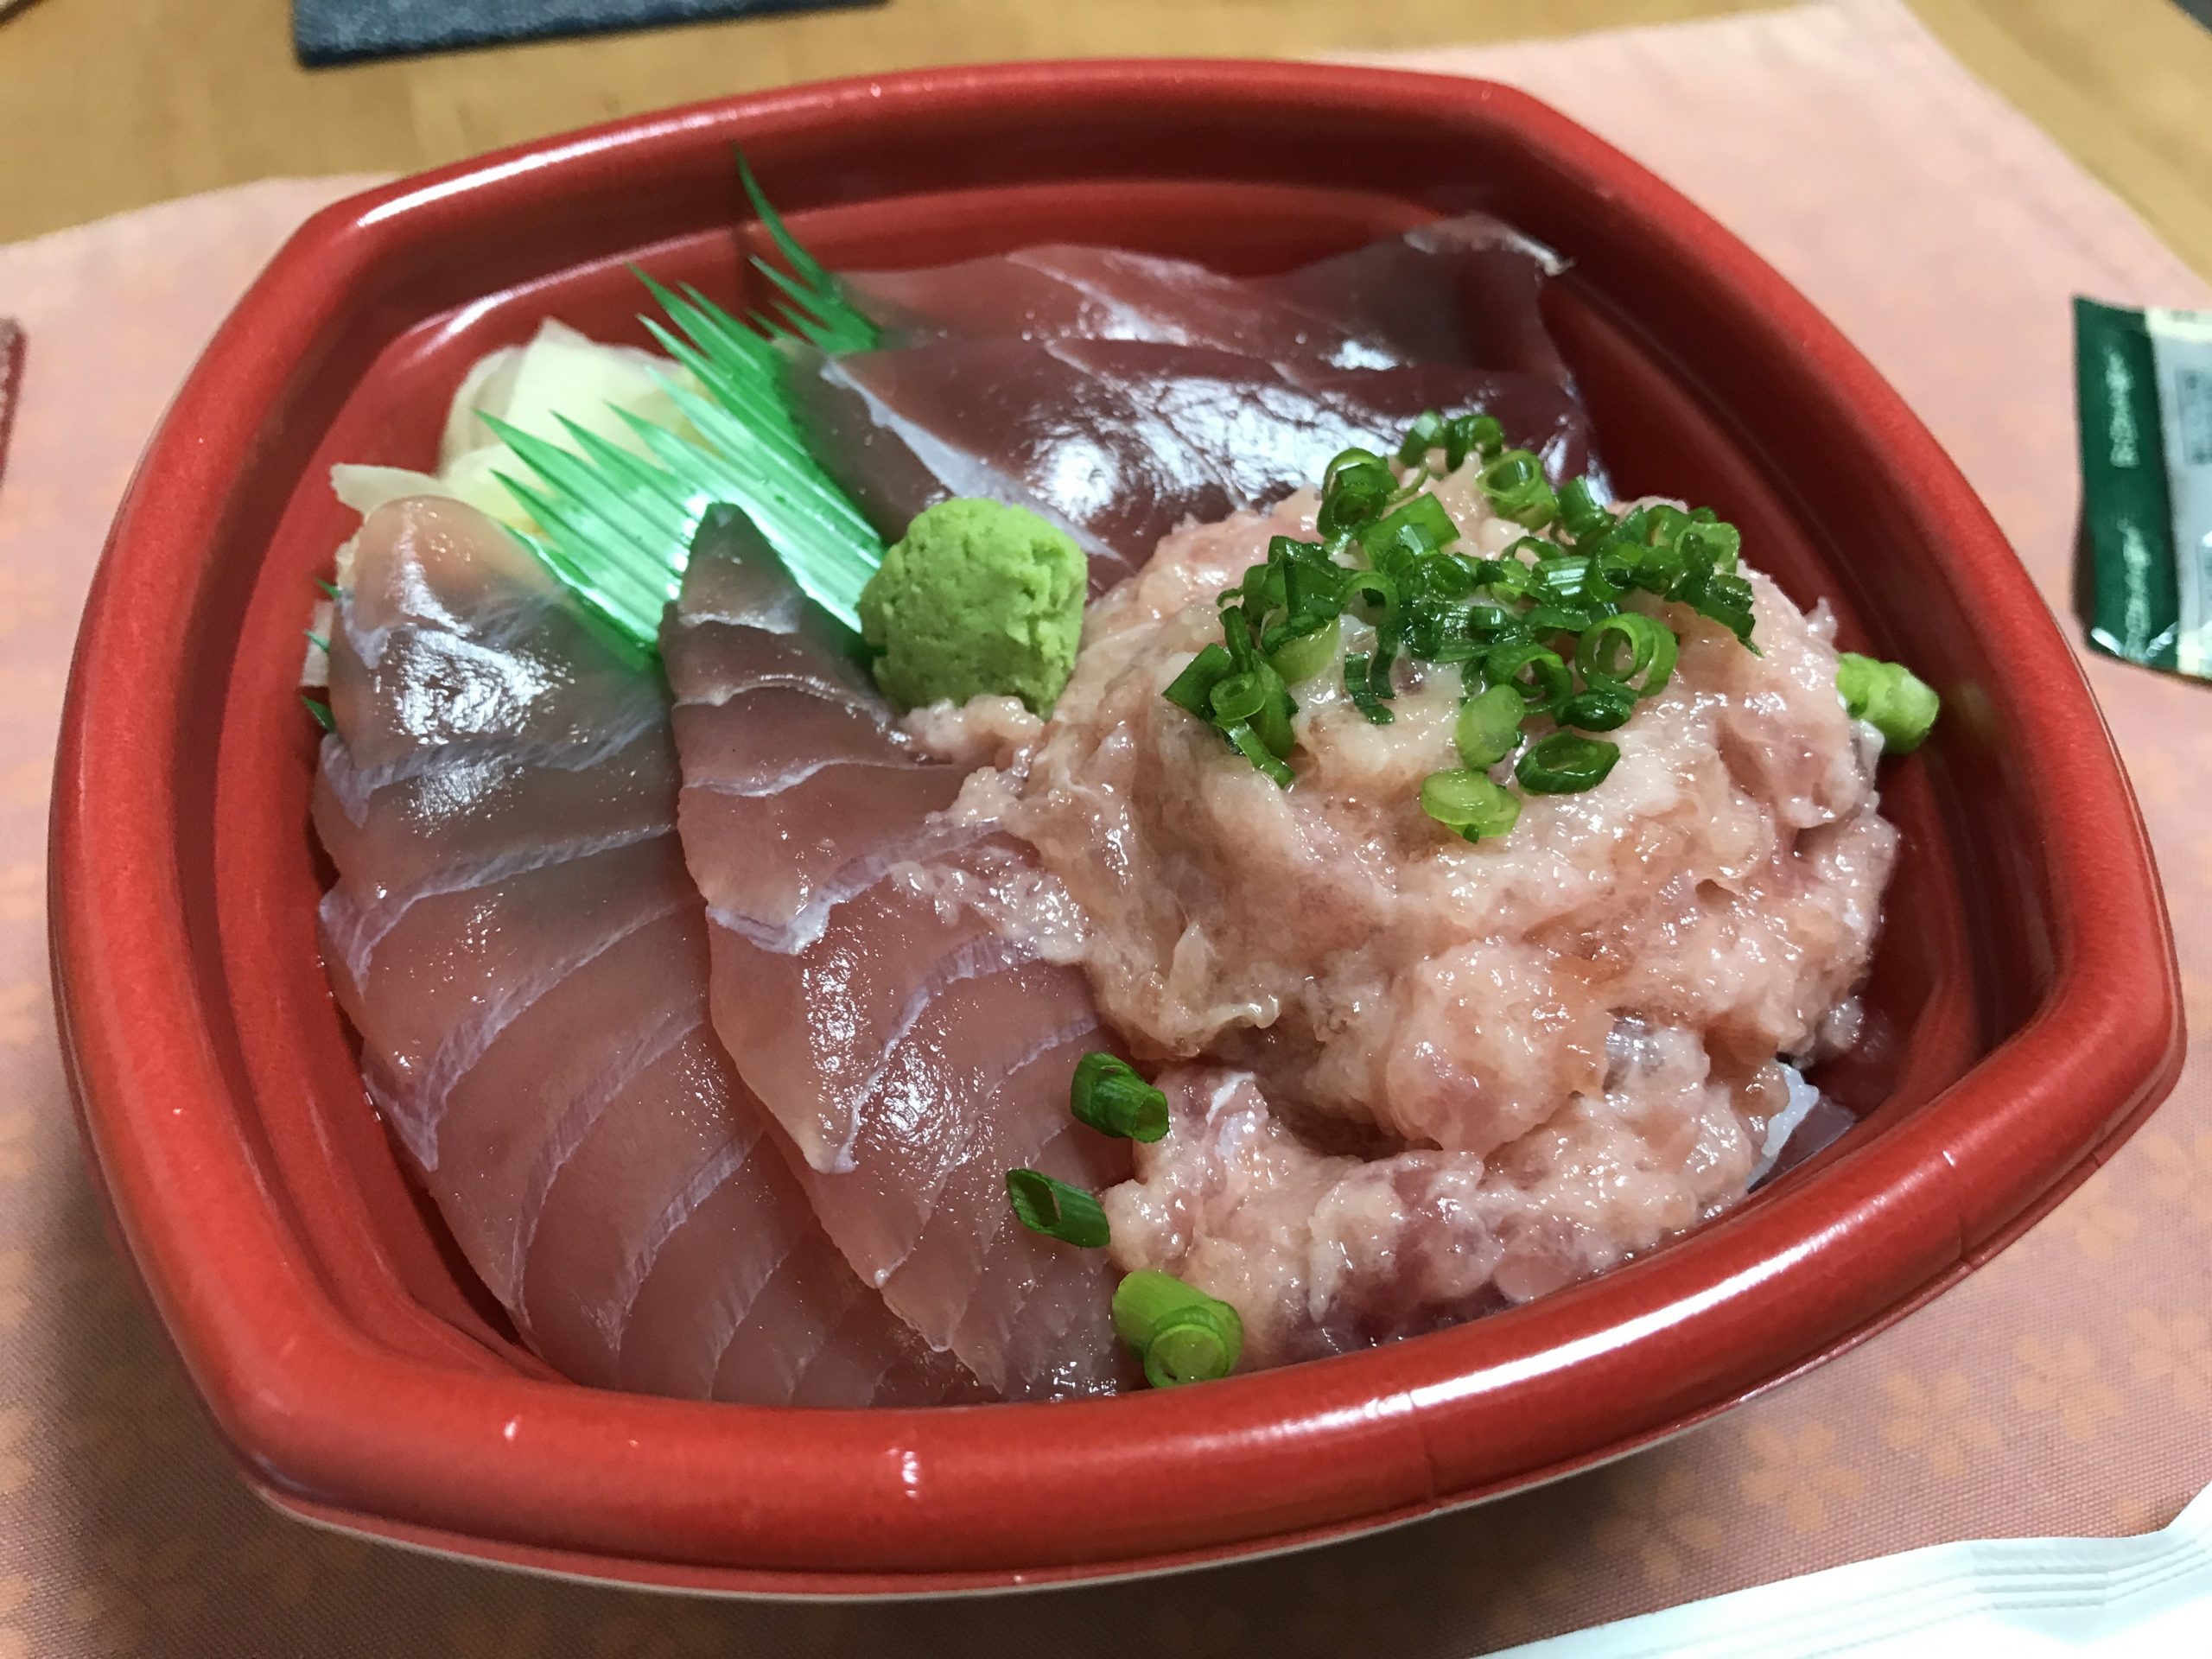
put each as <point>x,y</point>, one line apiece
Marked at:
<point>911,1050</point>
<point>514,935</point>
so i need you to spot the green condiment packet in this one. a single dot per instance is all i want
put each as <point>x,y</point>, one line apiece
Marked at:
<point>2144,389</point>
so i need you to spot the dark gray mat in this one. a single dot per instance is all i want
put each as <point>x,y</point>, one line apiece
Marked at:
<point>341,31</point>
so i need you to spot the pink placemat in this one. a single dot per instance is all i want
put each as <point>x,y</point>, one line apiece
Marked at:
<point>2067,1388</point>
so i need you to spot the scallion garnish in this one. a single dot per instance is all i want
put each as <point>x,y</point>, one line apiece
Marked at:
<point>1565,763</point>
<point>1468,801</point>
<point>1181,1334</point>
<point>1303,647</point>
<point>1193,690</point>
<point>1545,632</point>
<point>1516,487</point>
<point>1600,708</point>
<point>1579,509</point>
<point>1359,686</point>
<point>1354,490</point>
<point>1109,1096</point>
<point>1426,433</point>
<point>1901,705</point>
<point>1420,525</point>
<point>1247,742</point>
<point>1490,726</point>
<point>323,717</point>
<point>1056,1209</point>
<point>1547,683</point>
<point>1238,696</point>
<point>1650,647</point>
<point>1479,436</point>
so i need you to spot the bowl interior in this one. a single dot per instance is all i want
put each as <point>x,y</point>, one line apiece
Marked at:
<point>1971,963</point>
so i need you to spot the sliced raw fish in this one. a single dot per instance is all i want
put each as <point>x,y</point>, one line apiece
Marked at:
<point>1122,440</point>
<point>1069,292</point>
<point>912,1052</point>
<point>1462,291</point>
<point>1122,395</point>
<point>514,934</point>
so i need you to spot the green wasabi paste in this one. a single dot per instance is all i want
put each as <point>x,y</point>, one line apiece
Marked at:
<point>978,598</point>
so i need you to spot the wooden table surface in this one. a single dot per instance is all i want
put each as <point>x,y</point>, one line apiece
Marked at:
<point>106,104</point>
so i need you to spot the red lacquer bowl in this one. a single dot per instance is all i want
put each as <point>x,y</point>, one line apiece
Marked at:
<point>2026,1012</point>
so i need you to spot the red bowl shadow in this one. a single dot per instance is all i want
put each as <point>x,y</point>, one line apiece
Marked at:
<point>2026,1012</point>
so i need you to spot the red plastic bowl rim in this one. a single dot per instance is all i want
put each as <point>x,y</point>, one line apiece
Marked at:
<point>781,1495</point>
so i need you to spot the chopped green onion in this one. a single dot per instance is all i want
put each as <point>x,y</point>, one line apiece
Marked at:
<point>1566,764</point>
<point>1580,510</point>
<point>1359,686</point>
<point>1239,697</point>
<point>1600,708</point>
<point>1449,576</point>
<point>1662,525</point>
<point>323,717</point>
<point>1387,639</point>
<point>331,590</point>
<point>1353,491</point>
<point>1714,542</point>
<point>1573,579</point>
<point>1388,554</point>
<point>1505,577</point>
<point>317,641</point>
<point>1901,705</point>
<point>1512,471</point>
<point>1262,590</point>
<point>1421,524</point>
<point>1548,684</point>
<point>1345,461</point>
<point>1248,743</point>
<point>1313,589</point>
<point>1722,598</point>
<point>1517,488</point>
<point>1435,632</point>
<point>1621,561</point>
<point>1490,726</point>
<point>1109,1096</point>
<point>1468,801</point>
<point>1302,648</point>
<point>1372,585</point>
<point>1056,1209</point>
<point>1237,634</point>
<point>1272,722</point>
<point>1426,433</point>
<point>1493,625</point>
<point>1192,688</point>
<point>1478,434</point>
<point>1181,1334</point>
<point>1651,649</point>
<point>1654,569</point>
<point>1545,621</point>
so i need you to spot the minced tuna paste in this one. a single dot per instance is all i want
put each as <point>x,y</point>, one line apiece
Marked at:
<point>1414,1079</point>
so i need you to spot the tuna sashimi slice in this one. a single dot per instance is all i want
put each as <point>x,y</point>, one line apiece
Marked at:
<point>910,1052</point>
<point>1063,291</point>
<point>1462,291</point>
<point>1122,440</point>
<point>513,933</point>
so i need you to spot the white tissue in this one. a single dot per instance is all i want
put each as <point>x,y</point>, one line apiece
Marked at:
<point>2012,1598</point>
